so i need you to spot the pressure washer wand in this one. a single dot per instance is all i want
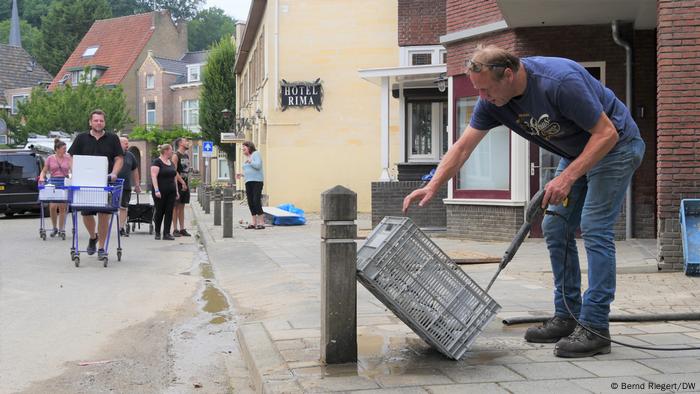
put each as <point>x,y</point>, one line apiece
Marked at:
<point>534,208</point>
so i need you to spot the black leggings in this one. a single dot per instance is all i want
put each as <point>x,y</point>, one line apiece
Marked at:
<point>164,208</point>
<point>253,192</point>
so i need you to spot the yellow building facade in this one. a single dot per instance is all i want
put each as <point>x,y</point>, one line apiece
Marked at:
<point>301,99</point>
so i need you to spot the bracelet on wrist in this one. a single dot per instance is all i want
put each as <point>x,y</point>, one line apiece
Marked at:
<point>157,191</point>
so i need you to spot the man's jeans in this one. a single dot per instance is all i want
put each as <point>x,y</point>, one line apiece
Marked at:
<point>595,202</point>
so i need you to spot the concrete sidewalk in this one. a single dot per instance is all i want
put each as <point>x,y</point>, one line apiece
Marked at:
<point>273,276</point>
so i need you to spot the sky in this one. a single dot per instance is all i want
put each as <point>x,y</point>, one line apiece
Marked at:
<point>238,9</point>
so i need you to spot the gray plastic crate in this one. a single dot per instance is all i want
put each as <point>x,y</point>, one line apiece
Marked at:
<point>414,278</point>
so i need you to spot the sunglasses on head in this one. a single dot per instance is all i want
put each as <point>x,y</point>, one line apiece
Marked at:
<point>477,67</point>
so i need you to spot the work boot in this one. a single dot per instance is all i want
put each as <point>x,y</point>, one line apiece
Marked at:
<point>551,330</point>
<point>92,246</point>
<point>583,343</point>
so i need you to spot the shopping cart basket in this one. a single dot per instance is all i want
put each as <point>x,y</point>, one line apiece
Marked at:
<point>54,190</point>
<point>414,278</point>
<point>101,199</point>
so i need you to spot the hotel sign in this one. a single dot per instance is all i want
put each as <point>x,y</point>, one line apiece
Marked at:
<point>301,94</point>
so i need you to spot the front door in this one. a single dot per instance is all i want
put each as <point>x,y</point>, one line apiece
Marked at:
<point>543,165</point>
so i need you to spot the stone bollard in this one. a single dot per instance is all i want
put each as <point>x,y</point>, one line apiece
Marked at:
<point>228,212</point>
<point>217,206</point>
<point>338,283</point>
<point>207,199</point>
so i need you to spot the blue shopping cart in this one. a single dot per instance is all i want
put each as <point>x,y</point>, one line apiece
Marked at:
<point>55,191</point>
<point>101,199</point>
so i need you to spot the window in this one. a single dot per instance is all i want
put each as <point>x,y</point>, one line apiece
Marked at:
<point>3,140</point>
<point>193,73</point>
<point>427,130</point>
<point>151,113</point>
<point>90,51</point>
<point>486,173</point>
<point>222,166</point>
<point>77,77</point>
<point>195,158</point>
<point>443,56</point>
<point>150,81</point>
<point>421,58</point>
<point>16,100</point>
<point>190,115</point>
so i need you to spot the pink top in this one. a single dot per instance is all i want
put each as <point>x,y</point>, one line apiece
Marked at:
<point>59,167</point>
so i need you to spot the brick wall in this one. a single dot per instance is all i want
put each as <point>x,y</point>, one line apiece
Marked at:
<point>678,99</point>
<point>421,22</point>
<point>387,200</point>
<point>465,14</point>
<point>484,222</point>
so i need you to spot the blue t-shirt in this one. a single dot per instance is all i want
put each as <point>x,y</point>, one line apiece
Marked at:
<point>253,171</point>
<point>561,103</point>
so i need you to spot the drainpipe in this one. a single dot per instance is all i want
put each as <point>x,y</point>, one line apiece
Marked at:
<point>277,54</point>
<point>628,103</point>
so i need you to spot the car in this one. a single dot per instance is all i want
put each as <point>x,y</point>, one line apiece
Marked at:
<point>19,177</point>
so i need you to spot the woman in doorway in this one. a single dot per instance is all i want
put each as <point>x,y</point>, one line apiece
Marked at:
<point>253,174</point>
<point>58,167</point>
<point>164,190</point>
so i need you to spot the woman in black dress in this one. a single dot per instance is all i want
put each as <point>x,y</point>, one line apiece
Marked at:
<point>164,190</point>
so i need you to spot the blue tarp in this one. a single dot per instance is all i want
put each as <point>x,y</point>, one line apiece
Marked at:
<point>290,221</point>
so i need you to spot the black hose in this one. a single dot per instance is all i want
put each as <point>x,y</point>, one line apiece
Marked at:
<point>613,318</point>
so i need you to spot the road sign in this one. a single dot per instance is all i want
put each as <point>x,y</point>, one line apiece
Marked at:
<point>207,148</point>
<point>230,138</point>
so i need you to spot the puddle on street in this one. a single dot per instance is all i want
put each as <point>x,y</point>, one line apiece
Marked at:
<point>214,300</point>
<point>206,271</point>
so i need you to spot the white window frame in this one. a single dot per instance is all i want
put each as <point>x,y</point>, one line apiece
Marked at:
<point>90,51</point>
<point>187,112</point>
<point>195,157</point>
<point>435,51</point>
<point>221,158</point>
<point>436,129</point>
<point>150,81</point>
<point>151,111</point>
<point>15,105</point>
<point>191,68</point>
<point>600,64</point>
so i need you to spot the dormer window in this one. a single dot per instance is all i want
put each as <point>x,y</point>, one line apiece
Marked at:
<point>90,51</point>
<point>193,71</point>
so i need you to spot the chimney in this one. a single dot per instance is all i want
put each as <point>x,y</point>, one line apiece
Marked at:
<point>15,37</point>
<point>240,29</point>
<point>181,26</point>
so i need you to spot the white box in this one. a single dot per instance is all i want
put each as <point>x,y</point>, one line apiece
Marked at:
<point>89,171</point>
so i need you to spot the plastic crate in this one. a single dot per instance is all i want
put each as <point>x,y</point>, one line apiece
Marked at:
<point>690,234</point>
<point>414,278</point>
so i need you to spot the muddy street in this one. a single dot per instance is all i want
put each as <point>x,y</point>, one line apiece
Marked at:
<point>155,322</point>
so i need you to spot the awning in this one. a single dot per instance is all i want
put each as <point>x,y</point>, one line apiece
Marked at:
<point>408,76</point>
<point>538,13</point>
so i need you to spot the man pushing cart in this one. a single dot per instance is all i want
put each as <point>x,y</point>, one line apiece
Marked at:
<point>96,142</point>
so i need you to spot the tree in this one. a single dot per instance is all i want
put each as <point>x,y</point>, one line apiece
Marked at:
<point>208,27</point>
<point>218,92</point>
<point>29,10</point>
<point>157,136</point>
<point>31,36</point>
<point>130,7</point>
<point>64,26</point>
<point>67,108</point>
<point>179,9</point>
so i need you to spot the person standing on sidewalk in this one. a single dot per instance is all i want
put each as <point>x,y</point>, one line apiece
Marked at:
<point>165,192</point>
<point>556,104</point>
<point>58,167</point>
<point>181,160</point>
<point>98,142</point>
<point>131,177</point>
<point>253,174</point>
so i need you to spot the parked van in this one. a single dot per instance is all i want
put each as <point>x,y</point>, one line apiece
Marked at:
<point>19,176</point>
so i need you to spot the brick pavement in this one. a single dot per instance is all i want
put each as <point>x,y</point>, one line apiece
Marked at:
<point>273,275</point>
